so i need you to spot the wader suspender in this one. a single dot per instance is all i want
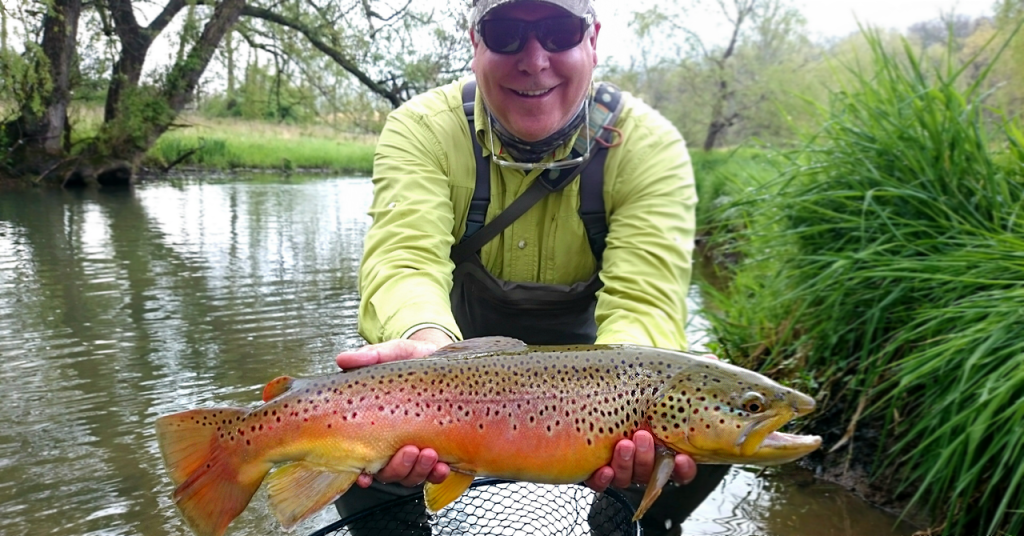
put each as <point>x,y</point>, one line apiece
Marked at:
<point>603,113</point>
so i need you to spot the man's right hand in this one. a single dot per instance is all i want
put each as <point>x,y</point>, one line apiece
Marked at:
<point>420,344</point>
<point>410,466</point>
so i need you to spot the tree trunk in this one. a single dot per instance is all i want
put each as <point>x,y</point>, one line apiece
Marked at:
<point>3,30</point>
<point>36,136</point>
<point>137,116</point>
<point>229,53</point>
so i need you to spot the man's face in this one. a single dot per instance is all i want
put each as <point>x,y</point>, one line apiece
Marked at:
<point>535,92</point>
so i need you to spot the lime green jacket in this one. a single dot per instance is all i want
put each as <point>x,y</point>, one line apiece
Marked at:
<point>423,178</point>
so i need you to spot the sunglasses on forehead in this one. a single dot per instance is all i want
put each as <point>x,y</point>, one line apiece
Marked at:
<point>556,34</point>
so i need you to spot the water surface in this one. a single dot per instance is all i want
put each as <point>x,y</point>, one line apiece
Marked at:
<point>117,307</point>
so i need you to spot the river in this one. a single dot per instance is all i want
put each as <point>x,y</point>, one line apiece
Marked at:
<point>118,307</point>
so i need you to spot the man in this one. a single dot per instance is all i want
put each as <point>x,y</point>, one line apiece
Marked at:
<point>545,276</point>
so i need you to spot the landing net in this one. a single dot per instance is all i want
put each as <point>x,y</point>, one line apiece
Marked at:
<point>493,507</point>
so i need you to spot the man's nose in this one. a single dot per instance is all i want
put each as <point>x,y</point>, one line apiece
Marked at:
<point>533,58</point>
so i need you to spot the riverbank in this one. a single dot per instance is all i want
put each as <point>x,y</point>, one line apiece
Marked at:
<point>224,144</point>
<point>201,145</point>
<point>882,272</point>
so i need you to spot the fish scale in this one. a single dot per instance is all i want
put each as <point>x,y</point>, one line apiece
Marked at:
<point>489,407</point>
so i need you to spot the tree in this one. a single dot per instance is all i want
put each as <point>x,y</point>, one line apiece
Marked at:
<point>362,37</point>
<point>723,92</point>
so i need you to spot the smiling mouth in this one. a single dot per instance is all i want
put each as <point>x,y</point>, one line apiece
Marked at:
<point>536,93</point>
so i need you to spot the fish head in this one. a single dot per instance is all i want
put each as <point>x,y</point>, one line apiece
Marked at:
<point>720,413</point>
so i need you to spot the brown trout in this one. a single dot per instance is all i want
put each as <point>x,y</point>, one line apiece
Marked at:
<point>489,407</point>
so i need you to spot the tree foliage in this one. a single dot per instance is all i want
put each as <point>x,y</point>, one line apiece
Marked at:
<point>720,94</point>
<point>347,63</point>
<point>393,52</point>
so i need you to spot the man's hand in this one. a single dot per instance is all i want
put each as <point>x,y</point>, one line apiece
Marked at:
<point>633,461</point>
<point>410,466</point>
<point>420,344</point>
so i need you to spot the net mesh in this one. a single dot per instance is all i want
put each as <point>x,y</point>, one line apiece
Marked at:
<point>499,508</point>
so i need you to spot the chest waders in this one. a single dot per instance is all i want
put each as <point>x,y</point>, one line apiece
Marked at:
<point>535,313</point>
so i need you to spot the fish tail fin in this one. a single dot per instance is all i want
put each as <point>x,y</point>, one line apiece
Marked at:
<point>213,484</point>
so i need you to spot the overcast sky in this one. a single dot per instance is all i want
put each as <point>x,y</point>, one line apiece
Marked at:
<point>825,18</point>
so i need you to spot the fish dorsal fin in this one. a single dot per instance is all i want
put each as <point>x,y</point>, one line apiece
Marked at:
<point>437,496</point>
<point>277,387</point>
<point>479,346</point>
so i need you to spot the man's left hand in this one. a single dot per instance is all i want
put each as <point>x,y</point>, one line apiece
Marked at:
<point>633,461</point>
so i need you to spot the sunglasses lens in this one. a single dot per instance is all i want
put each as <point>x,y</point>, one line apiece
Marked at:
<point>559,34</point>
<point>508,36</point>
<point>502,36</point>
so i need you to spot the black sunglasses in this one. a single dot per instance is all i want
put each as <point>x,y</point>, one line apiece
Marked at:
<point>556,34</point>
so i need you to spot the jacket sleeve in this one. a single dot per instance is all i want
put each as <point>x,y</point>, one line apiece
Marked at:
<point>406,274</point>
<point>652,218</point>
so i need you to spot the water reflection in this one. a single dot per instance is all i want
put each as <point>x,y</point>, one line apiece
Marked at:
<point>789,502</point>
<point>116,308</point>
<point>119,307</point>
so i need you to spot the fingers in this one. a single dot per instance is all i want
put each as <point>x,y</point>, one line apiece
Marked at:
<point>633,462</point>
<point>410,466</point>
<point>685,470</point>
<point>622,463</point>
<point>643,464</point>
<point>384,352</point>
<point>601,479</point>
<point>710,356</point>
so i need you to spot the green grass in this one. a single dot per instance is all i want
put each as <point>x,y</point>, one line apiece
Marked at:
<point>887,266</point>
<point>722,175</point>
<point>225,144</point>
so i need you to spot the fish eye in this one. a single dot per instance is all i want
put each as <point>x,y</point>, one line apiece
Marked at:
<point>754,403</point>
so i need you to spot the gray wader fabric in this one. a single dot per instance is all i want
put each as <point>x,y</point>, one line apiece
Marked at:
<point>535,313</point>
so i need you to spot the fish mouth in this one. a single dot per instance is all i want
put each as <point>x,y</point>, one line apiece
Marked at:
<point>761,443</point>
<point>782,447</point>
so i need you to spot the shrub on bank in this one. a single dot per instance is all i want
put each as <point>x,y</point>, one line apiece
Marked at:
<point>886,271</point>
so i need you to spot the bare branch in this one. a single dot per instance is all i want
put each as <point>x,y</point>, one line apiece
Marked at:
<point>313,37</point>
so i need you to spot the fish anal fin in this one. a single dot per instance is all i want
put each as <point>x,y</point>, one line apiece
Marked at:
<point>478,346</point>
<point>277,387</point>
<point>664,464</point>
<point>214,484</point>
<point>300,489</point>
<point>437,496</point>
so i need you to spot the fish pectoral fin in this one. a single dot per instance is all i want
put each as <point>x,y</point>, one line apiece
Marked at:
<point>300,489</point>
<point>664,464</point>
<point>437,496</point>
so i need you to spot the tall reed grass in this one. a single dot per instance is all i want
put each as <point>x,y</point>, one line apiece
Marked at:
<point>886,269</point>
